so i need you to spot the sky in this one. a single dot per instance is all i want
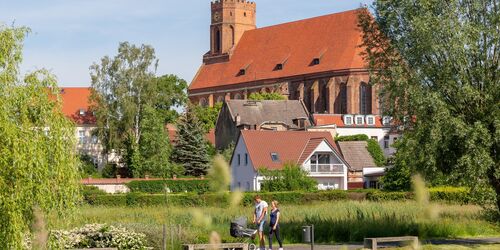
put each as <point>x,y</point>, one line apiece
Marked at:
<point>68,36</point>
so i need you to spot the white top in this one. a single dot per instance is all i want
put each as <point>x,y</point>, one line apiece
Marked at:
<point>259,208</point>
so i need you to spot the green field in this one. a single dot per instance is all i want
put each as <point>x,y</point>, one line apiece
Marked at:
<point>343,221</point>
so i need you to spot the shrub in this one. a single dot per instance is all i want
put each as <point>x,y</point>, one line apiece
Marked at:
<point>290,178</point>
<point>97,236</point>
<point>389,196</point>
<point>109,171</point>
<point>450,194</point>
<point>89,193</point>
<point>175,186</point>
<point>87,167</point>
<point>359,137</point>
<point>376,152</point>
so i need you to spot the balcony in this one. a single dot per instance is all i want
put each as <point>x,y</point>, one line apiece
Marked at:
<point>324,169</point>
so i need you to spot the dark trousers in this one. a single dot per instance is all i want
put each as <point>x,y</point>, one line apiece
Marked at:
<point>277,233</point>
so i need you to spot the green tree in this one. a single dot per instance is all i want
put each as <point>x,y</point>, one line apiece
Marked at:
<point>38,162</point>
<point>291,178</point>
<point>371,145</point>
<point>132,105</point>
<point>438,65</point>
<point>266,96</point>
<point>191,148</point>
<point>207,115</point>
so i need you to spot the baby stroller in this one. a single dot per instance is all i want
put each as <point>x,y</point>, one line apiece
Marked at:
<point>239,230</point>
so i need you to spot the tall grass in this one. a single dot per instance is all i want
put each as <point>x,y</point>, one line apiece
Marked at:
<point>346,221</point>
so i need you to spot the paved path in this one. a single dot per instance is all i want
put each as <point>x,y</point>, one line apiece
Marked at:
<point>355,246</point>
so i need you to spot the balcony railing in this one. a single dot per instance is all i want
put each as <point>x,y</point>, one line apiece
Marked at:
<point>325,168</point>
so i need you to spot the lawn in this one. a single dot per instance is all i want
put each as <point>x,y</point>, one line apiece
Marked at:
<point>343,221</point>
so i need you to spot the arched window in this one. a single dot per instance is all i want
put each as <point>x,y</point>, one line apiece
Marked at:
<point>220,99</point>
<point>365,99</point>
<point>217,41</point>
<point>203,102</point>
<point>341,100</point>
<point>232,34</point>
<point>237,97</point>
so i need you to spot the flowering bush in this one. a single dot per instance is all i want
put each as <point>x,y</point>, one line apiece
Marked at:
<point>97,236</point>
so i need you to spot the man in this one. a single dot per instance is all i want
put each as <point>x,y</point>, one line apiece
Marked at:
<point>259,218</point>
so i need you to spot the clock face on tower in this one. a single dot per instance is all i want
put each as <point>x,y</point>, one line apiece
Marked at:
<point>216,16</point>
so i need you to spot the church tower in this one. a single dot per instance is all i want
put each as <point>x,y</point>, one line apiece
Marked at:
<point>230,19</point>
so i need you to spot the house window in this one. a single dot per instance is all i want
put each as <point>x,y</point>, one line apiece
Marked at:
<point>320,162</point>
<point>359,120</point>
<point>81,136</point>
<point>94,139</point>
<point>239,160</point>
<point>386,141</point>
<point>370,120</point>
<point>82,111</point>
<point>373,184</point>
<point>275,157</point>
<point>348,120</point>
<point>248,185</point>
<point>386,120</point>
<point>246,159</point>
<point>274,128</point>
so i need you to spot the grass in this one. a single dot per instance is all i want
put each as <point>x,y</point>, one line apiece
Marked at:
<point>346,221</point>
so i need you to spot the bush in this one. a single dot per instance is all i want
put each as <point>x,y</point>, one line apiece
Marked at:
<point>389,196</point>
<point>97,236</point>
<point>90,193</point>
<point>450,194</point>
<point>290,178</point>
<point>376,152</point>
<point>175,186</point>
<point>109,171</point>
<point>359,137</point>
<point>87,167</point>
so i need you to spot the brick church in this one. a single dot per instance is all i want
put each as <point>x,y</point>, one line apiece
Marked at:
<point>315,60</point>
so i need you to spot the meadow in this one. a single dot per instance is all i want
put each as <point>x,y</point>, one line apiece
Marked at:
<point>335,222</point>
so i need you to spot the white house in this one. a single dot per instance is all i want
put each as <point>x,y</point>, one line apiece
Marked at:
<point>315,152</point>
<point>375,127</point>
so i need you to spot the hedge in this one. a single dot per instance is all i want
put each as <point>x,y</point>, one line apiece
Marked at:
<point>175,186</point>
<point>444,194</point>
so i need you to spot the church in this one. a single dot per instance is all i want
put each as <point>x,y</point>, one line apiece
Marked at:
<point>316,60</point>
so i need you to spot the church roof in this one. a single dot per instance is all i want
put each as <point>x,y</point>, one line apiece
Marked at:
<point>333,39</point>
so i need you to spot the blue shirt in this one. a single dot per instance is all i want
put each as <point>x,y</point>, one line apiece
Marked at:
<point>274,216</point>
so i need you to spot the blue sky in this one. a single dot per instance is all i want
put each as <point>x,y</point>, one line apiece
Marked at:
<point>69,35</point>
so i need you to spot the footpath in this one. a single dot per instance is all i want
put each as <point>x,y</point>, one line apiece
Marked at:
<point>493,242</point>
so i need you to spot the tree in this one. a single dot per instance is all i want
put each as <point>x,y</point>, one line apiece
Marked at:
<point>291,178</point>
<point>191,148</point>
<point>38,162</point>
<point>371,145</point>
<point>132,106</point>
<point>207,115</point>
<point>437,63</point>
<point>266,96</point>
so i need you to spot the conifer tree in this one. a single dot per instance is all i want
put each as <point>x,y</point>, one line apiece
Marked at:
<point>190,150</point>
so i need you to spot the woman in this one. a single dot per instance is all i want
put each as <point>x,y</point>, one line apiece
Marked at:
<point>274,227</point>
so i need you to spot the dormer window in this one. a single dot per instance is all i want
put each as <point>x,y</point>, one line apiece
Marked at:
<point>279,66</point>
<point>370,120</point>
<point>348,120</point>
<point>82,111</point>
<point>386,120</point>
<point>243,70</point>
<point>316,61</point>
<point>275,157</point>
<point>360,120</point>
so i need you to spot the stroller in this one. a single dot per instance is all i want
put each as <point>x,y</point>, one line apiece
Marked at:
<point>239,230</point>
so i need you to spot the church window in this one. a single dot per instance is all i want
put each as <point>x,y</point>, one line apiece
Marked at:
<point>324,95</point>
<point>217,41</point>
<point>343,98</point>
<point>232,35</point>
<point>365,99</point>
<point>244,14</point>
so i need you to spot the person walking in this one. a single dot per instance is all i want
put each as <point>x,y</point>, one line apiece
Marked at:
<point>259,218</point>
<point>274,226</point>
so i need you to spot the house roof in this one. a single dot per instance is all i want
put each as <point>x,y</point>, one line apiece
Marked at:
<point>337,119</point>
<point>259,112</point>
<point>172,134</point>
<point>356,154</point>
<point>333,38</point>
<point>290,146</point>
<point>75,99</point>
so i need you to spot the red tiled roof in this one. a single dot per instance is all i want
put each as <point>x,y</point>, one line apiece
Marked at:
<point>330,119</point>
<point>335,38</point>
<point>74,99</point>
<point>114,181</point>
<point>289,145</point>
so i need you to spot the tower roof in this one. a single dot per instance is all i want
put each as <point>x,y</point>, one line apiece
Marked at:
<point>332,39</point>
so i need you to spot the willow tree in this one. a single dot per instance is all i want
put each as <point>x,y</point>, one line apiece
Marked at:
<point>38,164</point>
<point>438,65</point>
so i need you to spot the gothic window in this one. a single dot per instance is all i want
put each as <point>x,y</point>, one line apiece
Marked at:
<point>217,41</point>
<point>203,102</point>
<point>365,99</point>
<point>342,99</point>
<point>323,95</point>
<point>232,34</point>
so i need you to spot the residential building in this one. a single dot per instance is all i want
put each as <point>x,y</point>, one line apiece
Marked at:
<point>236,115</point>
<point>316,60</point>
<point>375,127</point>
<point>315,152</point>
